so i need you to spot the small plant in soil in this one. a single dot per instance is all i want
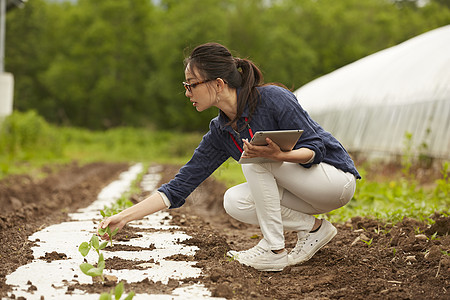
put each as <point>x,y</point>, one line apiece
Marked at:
<point>92,271</point>
<point>107,230</point>
<point>84,249</point>
<point>368,243</point>
<point>116,294</point>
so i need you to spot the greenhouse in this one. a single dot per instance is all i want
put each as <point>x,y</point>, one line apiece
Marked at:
<point>394,99</point>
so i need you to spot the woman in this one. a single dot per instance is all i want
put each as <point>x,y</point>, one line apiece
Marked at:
<point>317,176</point>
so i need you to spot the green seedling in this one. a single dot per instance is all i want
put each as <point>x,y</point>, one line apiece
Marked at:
<point>434,236</point>
<point>92,271</point>
<point>107,230</point>
<point>116,294</point>
<point>369,243</point>
<point>85,247</point>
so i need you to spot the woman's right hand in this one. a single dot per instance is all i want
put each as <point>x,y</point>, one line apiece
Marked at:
<point>115,221</point>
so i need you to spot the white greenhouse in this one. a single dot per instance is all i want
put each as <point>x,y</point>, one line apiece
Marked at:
<point>370,105</point>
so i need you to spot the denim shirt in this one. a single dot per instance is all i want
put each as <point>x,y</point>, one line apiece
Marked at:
<point>278,109</point>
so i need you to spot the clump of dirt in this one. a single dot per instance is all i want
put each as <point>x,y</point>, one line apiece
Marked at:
<point>49,257</point>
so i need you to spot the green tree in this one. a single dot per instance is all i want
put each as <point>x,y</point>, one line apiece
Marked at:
<point>179,27</point>
<point>99,76</point>
<point>101,64</point>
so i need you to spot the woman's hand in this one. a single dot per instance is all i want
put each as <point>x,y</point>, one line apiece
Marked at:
<point>113,222</point>
<point>150,205</point>
<point>271,150</point>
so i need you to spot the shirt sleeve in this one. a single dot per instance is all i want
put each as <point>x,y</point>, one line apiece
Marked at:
<point>208,156</point>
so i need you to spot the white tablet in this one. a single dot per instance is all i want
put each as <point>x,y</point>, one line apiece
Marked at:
<point>285,139</point>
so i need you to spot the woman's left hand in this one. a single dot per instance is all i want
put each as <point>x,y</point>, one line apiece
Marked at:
<point>271,150</point>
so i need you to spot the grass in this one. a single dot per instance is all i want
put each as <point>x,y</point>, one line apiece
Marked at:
<point>27,143</point>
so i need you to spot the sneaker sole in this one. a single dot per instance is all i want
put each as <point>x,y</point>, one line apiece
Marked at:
<point>264,267</point>
<point>260,267</point>
<point>319,246</point>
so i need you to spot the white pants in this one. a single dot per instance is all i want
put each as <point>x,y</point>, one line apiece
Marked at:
<point>284,195</point>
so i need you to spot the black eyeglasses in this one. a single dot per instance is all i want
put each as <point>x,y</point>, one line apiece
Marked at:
<point>190,86</point>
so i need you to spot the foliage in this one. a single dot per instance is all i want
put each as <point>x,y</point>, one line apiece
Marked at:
<point>92,271</point>
<point>394,200</point>
<point>103,64</point>
<point>110,233</point>
<point>27,142</point>
<point>94,242</point>
<point>27,136</point>
<point>84,249</point>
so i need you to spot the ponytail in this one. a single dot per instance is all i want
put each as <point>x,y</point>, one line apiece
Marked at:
<point>251,78</point>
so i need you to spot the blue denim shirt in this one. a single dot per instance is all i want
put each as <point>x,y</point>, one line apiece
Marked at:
<point>278,109</point>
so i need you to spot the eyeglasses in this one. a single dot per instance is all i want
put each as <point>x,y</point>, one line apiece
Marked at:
<point>190,86</point>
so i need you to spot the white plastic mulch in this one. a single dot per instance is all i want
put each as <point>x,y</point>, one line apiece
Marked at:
<point>52,279</point>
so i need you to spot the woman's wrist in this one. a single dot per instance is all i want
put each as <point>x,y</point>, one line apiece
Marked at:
<point>301,156</point>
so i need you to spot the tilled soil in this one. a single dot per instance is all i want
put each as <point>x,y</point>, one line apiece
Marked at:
<point>402,261</point>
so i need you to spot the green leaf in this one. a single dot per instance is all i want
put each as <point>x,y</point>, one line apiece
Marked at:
<point>102,231</point>
<point>102,245</point>
<point>130,296</point>
<point>105,296</point>
<point>84,248</point>
<point>115,231</point>
<point>103,213</point>
<point>85,267</point>
<point>94,272</point>
<point>101,262</point>
<point>95,242</point>
<point>118,291</point>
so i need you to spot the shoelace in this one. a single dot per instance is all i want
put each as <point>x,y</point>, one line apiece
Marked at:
<point>253,252</point>
<point>300,242</point>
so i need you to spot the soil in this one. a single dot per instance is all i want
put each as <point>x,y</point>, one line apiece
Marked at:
<point>407,260</point>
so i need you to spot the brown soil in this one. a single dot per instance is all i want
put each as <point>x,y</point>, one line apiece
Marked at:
<point>398,263</point>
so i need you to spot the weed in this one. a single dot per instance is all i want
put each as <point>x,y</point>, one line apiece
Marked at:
<point>369,242</point>
<point>434,236</point>
<point>229,258</point>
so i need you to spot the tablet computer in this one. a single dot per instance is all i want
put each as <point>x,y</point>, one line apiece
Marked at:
<point>285,139</point>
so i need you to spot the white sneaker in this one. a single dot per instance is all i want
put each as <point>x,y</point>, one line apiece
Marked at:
<point>307,245</point>
<point>260,258</point>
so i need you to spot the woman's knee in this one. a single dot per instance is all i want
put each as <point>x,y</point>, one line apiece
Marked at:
<point>228,200</point>
<point>236,203</point>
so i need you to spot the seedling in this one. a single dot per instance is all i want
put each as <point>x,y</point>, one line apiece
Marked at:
<point>85,247</point>
<point>116,294</point>
<point>434,236</point>
<point>92,271</point>
<point>107,230</point>
<point>368,242</point>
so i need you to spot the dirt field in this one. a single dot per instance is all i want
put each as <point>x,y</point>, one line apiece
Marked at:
<point>401,262</point>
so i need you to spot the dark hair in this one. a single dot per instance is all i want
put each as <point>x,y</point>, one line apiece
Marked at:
<point>213,60</point>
